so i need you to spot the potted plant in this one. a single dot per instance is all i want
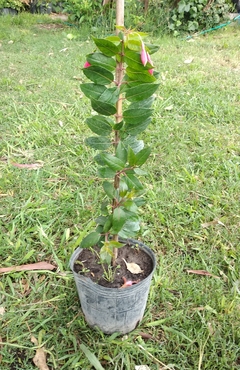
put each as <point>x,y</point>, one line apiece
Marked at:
<point>113,272</point>
<point>11,7</point>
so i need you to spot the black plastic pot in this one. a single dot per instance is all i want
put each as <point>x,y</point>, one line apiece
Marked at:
<point>8,11</point>
<point>113,310</point>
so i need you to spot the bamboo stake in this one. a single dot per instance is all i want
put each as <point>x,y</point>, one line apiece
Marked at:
<point>118,77</point>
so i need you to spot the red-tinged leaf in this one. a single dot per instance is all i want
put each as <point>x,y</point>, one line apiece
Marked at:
<point>202,272</point>
<point>28,166</point>
<point>28,267</point>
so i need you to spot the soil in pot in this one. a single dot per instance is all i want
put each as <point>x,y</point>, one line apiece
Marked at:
<point>88,264</point>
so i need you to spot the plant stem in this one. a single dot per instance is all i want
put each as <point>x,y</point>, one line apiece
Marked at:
<point>118,78</point>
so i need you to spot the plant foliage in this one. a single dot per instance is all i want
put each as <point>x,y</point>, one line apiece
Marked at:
<point>192,16</point>
<point>121,91</point>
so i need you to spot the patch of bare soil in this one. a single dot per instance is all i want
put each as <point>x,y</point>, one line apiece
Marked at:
<point>51,26</point>
<point>88,264</point>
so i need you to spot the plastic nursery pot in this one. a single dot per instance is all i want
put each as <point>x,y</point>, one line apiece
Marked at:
<point>8,11</point>
<point>112,309</point>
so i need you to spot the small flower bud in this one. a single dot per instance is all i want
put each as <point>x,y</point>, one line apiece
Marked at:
<point>149,59</point>
<point>86,64</point>
<point>144,58</point>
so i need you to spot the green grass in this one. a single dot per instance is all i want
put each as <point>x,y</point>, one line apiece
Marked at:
<point>191,220</point>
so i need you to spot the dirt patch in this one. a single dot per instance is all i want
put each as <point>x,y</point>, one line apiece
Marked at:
<point>51,26</point>
<point>88,264</point>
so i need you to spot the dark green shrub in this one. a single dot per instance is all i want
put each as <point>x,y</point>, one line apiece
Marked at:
<point>192,16</point>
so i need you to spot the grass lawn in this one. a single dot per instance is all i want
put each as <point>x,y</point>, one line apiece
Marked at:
<point>191,219</point>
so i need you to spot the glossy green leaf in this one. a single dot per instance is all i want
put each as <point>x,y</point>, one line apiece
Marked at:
<point>123,188</point>
<point>142,156</point>
<point>110,95</point>
<point>92,91</point>
<point>107,47</point>
<point>113,162</point>
<point>135,144</point>
<point>135,130</point>
<point>106,254</point>
<point>101,60</point>
<point>121,152</point>
<point>108,224</point>
<point>130,205</point>
<point>119,219</point>
<point>133,182</point>
<point>99,125</point>
<point>100,220</point>
<point>132,157</point>
<point>103,108</point>
<point>133,117</point>
<point>141,92</point>
<point>98,142</point>
<point>98,75</point>
<point>130,229</point>
<point>106,172</point>
<point>142,104</point>
<point>133,60</point>
<point>142,76</point>
<point>151,48</point>
<point>90,240</point>
<point>115,39</point>
<point>109,189</point>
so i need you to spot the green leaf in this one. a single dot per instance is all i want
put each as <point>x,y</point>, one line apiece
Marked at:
<point>113,162</point>
<point>123,188</point>
<point>106,173</point>
<point>142,104</point>
<point>130,229</point>
<point>100,220</point>
<point>109,189</point>
<point>107,47</point>
<point>133,117</point>
<point>114,39</point>
<point>98,142</point>
<point>131,157</point>
<point>102,60</point>
<point>119,219</point>
<point>121,152</point>
<point>108,224</point>
<point>133,182</point>
<point>103,108</point>
<point>141,92</point>
<point>92,91</point>
<point>99,125</point>
<point>110,95</point>
<point>135,144</point>
<point>151,48</point>
<point>133,60</point>
<point>118,126</point>
<point>134,130</point>
<point>143,76</point>
<point>90,240</point>
<point>130,205</point>
<point>142,156</point>
<point>98,75</point>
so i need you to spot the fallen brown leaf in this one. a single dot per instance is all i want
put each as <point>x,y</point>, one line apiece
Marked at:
<point>28,166</point>
<point>202,272</point>
<point>133,267</point>
<point>40,357</point>
<point>28,267</point>
<point>145,335</point>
